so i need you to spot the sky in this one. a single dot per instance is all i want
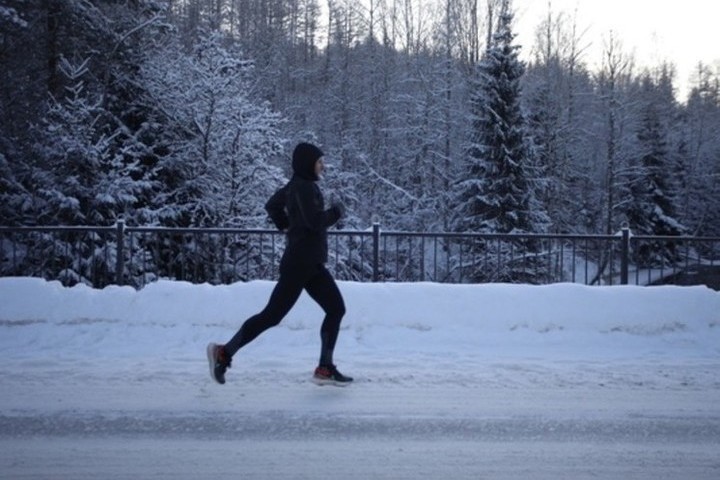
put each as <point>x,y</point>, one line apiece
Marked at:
<point>683,32</point>
<point>493,381</point>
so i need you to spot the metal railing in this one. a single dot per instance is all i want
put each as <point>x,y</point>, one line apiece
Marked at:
<point>128,255</point>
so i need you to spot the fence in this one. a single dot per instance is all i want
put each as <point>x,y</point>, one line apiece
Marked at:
<point>127,255</point>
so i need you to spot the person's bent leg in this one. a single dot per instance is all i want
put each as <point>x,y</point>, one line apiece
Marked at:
<point>283,297</point>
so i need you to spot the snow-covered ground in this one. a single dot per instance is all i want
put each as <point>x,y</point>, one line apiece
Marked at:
<point>452,382</point>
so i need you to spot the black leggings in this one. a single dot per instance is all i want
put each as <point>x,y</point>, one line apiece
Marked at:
<point>321,287</point>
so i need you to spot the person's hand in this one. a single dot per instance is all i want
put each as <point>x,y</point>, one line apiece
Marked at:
<point>339,209</point>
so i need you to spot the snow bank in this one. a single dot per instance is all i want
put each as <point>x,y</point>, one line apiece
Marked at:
<point>392,318</point>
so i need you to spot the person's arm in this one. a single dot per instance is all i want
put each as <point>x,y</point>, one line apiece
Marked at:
<point>312,215</point>
<point>276,209</point>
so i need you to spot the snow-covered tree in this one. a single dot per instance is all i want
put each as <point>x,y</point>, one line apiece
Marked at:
<point>495,193</point>
<point>75,152</point>
<point>653,190</point>
<point>218,138</point>
<point>616,131</point>
<point>555,87</point>
<point>700,195</point>
<point>15,204</point>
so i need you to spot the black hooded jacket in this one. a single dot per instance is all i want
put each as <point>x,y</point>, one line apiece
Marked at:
<point>299,207</point>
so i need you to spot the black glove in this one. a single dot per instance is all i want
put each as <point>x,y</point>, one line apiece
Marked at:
<point>339,209</point>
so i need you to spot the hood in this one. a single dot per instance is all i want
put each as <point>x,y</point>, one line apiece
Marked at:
<point>303,161</point>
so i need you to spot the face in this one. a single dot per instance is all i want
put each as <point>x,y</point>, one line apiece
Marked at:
<point>319,166</point>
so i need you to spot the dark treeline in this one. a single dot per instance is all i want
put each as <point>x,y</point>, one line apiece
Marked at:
<point>182,113</point>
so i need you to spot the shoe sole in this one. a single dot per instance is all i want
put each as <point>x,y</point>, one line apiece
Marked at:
<point>329,381</point>
<point>211,360</point>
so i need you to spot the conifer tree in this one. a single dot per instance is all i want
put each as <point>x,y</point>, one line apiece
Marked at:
<point>653,191</point>
<point>495,194</point>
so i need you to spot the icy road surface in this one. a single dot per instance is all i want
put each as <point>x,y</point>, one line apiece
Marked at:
<point>550,422</point>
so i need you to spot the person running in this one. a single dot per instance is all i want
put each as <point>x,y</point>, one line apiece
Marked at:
<point>298,208</point>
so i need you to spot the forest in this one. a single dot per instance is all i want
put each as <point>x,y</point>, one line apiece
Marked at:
<point>183,113</point>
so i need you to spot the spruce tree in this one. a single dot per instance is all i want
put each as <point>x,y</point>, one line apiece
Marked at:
<point>495,194</point>
<point>653,191</point>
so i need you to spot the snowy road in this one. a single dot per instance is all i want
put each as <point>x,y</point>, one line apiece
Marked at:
<point>184,427</point>
<point>131,458</point>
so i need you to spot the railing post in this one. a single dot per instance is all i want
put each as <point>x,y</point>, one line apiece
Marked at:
<point>625,254</point>
<point>376,251</point>
<point>120,260</point>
